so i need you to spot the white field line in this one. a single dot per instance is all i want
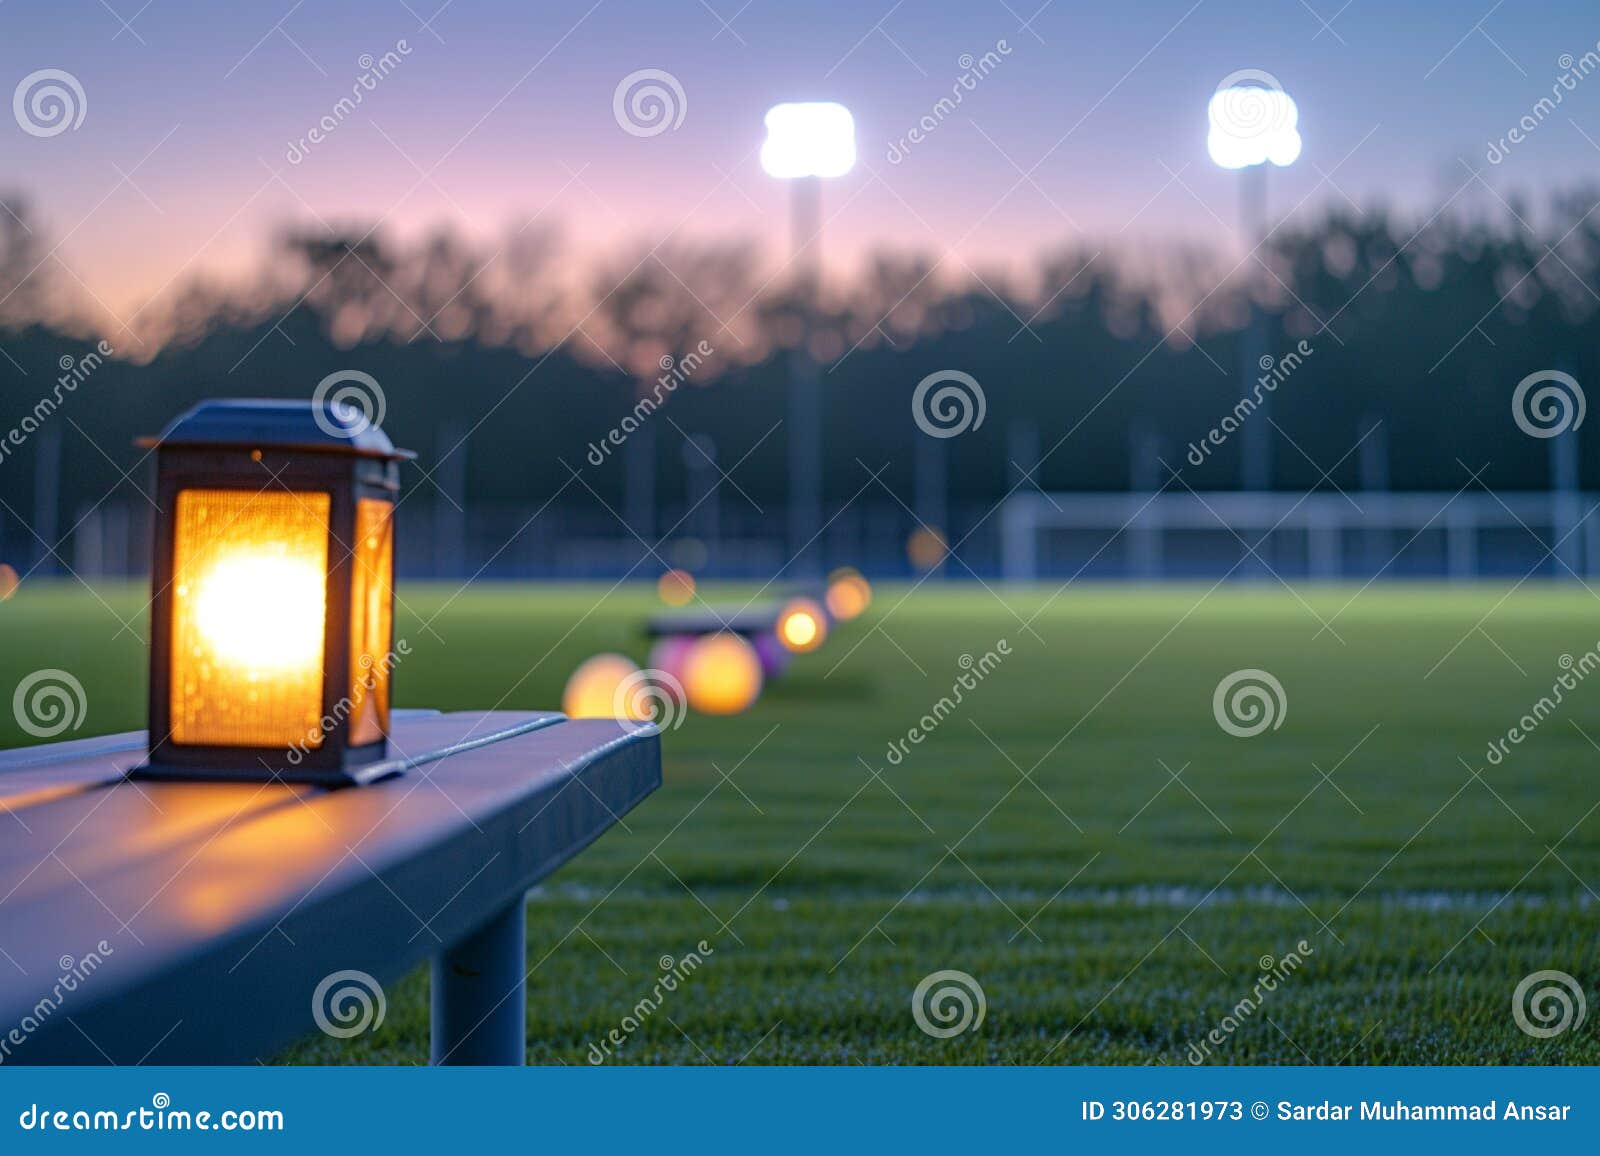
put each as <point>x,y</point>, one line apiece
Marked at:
<point>1177,896</point>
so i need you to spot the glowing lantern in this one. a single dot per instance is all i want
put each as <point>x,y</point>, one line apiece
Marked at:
<point>600,687</point>
<point>849,594</point>
<point>722,674</point>
<point>272,614</point>
<point>802,625</point>
<point>676,587</point>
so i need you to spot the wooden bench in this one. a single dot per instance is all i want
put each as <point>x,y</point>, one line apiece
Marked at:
<point>224,906</point>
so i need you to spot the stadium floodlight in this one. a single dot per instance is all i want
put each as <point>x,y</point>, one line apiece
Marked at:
<point>807,142</point>
<point>809,139</point>
<point>1252,121</point>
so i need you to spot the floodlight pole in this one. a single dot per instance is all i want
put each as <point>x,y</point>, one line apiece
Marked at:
<point>805,385</point>
<point>46,496</point>
<point>1255,443</point>
<point>1565,505</point>
<point>1255,448</point>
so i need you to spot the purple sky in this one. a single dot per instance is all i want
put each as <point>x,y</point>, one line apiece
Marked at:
<point>1092,126</point>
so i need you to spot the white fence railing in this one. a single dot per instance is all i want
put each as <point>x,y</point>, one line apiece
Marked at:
<point>1321,536</point>
<point>1116,536</point>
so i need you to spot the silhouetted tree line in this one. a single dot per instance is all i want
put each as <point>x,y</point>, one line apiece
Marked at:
<point>1424,325</point>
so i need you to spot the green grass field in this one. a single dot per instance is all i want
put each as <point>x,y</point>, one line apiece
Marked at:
<point>1036,840</point>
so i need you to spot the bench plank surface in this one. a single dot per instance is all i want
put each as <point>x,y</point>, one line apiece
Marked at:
<point>225,904</point>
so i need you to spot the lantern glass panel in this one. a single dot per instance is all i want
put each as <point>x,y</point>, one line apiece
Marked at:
<point>371,620</point>
<point>249,613</point>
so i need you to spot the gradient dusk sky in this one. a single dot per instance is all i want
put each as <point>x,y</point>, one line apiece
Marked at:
<point>1092,126</point>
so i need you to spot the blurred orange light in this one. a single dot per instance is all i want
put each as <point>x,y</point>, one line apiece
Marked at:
<point>802,626</point>
<point>8,581</point>
<point>676,587</point>
<point>371,620</point>
<point>926,548</point>
<point>260,611</point>
<point>722,674</point>
<point>849,594</point>
<point>249,612</point>
<point>599,689</point>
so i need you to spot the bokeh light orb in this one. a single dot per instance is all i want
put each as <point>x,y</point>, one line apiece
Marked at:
<point>926,548</point>
<point>802,625</point>
<point>599,689</point>
<point>849,594</point>
<point>722,674</point>
<point>8,581</point>
<point>670,656</point>
<point>676,587</point>
<point>773,654</point>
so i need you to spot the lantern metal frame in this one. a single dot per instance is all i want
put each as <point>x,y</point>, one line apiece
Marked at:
<point>256,446</point>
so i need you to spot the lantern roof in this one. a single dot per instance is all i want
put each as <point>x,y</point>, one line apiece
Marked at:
<point>324,426</point>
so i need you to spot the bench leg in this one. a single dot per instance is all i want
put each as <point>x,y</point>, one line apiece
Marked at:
<point>480,997</point>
